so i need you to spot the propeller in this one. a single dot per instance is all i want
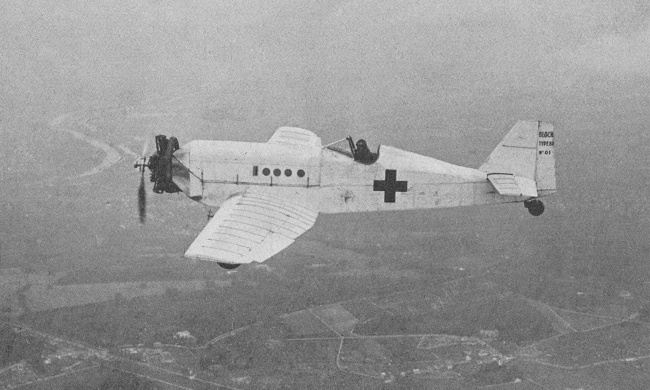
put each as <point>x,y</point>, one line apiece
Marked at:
<point>145,147</point>
<point>142,199</point>
<point>160,165</point>
<point>142,193</point>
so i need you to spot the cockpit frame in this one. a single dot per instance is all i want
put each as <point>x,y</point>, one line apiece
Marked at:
<point>359,151</point>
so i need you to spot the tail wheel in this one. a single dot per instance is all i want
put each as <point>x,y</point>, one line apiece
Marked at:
<point>535,207</point>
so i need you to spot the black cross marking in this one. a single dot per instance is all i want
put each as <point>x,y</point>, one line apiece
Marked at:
<point>390,186</point>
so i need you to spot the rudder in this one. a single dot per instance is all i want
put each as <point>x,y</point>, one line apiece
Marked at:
<point>545,161</point>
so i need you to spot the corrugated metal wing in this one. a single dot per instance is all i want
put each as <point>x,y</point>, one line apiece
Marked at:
<point>251,227</point>
<point>295,136</point>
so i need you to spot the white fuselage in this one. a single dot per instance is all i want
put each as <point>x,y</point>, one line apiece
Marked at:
<point>210,172</point>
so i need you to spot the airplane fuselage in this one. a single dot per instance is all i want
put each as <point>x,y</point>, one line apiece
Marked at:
<point>210,172</point>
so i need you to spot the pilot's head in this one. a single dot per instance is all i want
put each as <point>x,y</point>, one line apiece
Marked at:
<point>361,144</point>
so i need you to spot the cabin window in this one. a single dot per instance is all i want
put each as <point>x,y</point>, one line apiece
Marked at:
<point>300,173</point>
<point>277,172</point>
<point>287,172</point>
<point>266,171</point>
<point>255,169</point>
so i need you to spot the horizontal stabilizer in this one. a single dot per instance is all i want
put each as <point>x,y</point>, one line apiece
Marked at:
<point>511,185</point>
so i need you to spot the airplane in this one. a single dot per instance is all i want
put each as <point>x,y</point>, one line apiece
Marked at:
<point>269,193</point>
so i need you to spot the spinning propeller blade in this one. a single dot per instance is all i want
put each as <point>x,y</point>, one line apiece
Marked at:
<point>142,199</point>
<point>142,193</point>
<point>160,164</point>
<point>145,147</point>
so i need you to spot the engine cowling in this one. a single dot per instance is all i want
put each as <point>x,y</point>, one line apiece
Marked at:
<point>160,165</point>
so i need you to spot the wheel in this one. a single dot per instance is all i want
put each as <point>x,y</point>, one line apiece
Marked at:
<point>535,207</point>
<point>228,265</point>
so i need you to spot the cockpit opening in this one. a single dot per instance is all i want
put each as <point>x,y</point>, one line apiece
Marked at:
<point>362,153</point>
<point>359,151</point>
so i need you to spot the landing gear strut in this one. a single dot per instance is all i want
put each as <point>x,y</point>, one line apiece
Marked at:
<point>534,206</point>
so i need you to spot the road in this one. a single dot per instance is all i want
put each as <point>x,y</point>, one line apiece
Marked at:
<point>162,375</point>
<point>170,378</point>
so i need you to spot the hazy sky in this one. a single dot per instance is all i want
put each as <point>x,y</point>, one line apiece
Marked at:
<point>382,43</point>
<point>410,70</point>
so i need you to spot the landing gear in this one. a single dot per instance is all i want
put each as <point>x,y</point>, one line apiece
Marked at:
<point>228,265</point>
<point>534,206</point>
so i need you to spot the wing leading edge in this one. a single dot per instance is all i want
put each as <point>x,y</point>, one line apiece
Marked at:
<point>251,227</point>
<point>295,136</point>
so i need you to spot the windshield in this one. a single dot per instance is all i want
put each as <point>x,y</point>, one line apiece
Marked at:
<point>359,151</point>
<point>341,146</point>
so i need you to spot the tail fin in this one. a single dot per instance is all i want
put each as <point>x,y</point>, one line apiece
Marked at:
<point>527,151</point>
